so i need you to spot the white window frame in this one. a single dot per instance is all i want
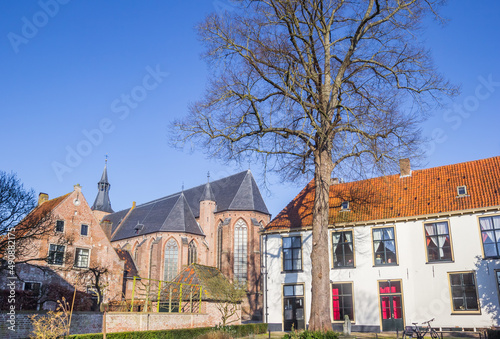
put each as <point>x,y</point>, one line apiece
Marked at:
<point>76,257</point>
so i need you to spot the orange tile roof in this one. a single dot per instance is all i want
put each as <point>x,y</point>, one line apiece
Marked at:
<point>129,262</point>
<point>425,192</point>
<point>39,213</point>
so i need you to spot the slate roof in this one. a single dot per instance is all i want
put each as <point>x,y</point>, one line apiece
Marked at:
<point>178,212</point>
<point>425,192</point>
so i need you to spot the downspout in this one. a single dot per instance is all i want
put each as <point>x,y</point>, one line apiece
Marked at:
<point>265,281</point>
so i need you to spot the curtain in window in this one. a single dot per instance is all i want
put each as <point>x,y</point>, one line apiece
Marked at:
<point>490,234</point>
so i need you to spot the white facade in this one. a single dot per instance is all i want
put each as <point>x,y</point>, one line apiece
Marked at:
<point>423,283</point>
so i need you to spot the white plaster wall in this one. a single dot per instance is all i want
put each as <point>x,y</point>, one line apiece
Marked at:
<point>426,291</point>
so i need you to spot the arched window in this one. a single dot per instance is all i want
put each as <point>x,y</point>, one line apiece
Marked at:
<point>170,260</point>
<point>240,251</point>
<point>219,246</point>
<point>192,255</point>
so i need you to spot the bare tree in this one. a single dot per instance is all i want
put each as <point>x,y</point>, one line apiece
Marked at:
<point>315,86</point>
<point>96,278</point>
<point>19,225</point>
<point>227,297</point>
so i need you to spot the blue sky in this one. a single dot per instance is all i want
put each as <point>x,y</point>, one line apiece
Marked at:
<point>73,80</point>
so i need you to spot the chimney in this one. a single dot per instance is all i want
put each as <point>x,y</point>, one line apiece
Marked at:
<point>404,167</point>
<point>42,197</point>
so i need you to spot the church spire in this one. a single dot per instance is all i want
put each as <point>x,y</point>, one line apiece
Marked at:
<point>207,194</point>
<point>102,202</point>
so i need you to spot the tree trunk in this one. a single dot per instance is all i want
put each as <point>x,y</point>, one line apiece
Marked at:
<point>320,277</point>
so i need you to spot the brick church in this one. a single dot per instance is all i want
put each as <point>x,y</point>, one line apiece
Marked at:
<point>215,224</point>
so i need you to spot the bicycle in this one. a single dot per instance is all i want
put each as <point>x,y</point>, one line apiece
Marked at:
<point>415,332</point>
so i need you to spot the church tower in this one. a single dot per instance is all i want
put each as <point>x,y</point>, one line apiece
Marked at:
<point>102,205</point>
<point>208,207</point>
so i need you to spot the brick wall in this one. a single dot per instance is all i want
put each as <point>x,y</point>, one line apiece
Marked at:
<point>91,322</point>
<point>84,322</point>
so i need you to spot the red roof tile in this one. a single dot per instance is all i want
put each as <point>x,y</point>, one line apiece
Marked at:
<point>427,191</point>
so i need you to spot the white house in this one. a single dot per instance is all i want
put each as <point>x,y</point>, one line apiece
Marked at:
<point>403,248</point>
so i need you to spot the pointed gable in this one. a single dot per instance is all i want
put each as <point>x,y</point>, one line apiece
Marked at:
<point>248,196</point>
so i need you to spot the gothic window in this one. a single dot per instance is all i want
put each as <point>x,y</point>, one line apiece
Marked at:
<point>192,254</point>
<point>219,246</point>
<point>240,251</point>
<point>170,259</point>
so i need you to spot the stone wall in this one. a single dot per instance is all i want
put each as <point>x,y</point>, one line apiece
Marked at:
<point>91,322</point>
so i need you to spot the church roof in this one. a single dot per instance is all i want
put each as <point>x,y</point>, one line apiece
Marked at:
<point>178,212</point>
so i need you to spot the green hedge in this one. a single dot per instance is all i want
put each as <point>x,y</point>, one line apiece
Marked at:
<point>188,333</point>
<point>493,334</point>
<point>312,335</point>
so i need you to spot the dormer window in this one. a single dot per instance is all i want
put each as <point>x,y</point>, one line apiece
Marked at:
<point>462,191</point>
<point>344,206</point>
<point>138,228</point>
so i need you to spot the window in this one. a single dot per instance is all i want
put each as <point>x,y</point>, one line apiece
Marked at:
<point>344,206</point>
<point>292,254</point>
<point>384,246</point>
<point>219,246</point>
<point>171,258</point>
<point>343,255</point>
<point>240,251</point>
<point>60,226</point>
<point>192,253</point>
<point>33,287</point>
<point>437,240</point>
<point>293,290</point>
<point>497,273</point>
<point>32,295</point>
<point>490,235</point>
<point>463,292</point>
<point>462,190</point>
<point>82,257</point>
<point>84,230</point>
<point>56,254</point>
<point>343,303</point>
